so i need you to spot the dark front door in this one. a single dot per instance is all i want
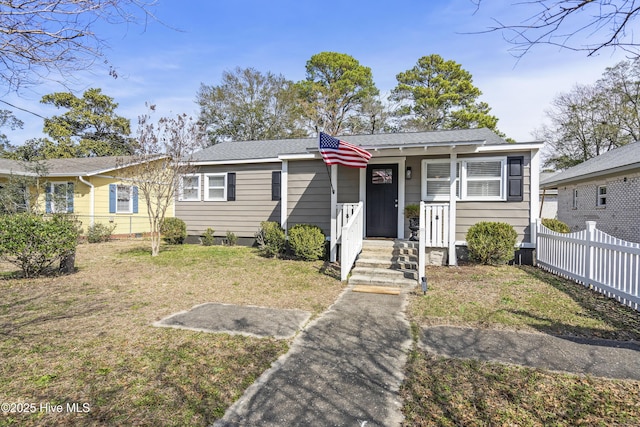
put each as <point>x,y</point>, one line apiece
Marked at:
<point>382,200</point>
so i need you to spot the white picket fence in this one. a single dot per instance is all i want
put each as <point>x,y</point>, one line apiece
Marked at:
<point>593,258</point>
<point>434,230</point>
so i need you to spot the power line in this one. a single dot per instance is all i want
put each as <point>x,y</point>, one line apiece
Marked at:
<point>22,109</point>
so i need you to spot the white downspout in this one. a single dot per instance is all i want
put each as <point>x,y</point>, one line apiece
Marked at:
<point>91,199</point>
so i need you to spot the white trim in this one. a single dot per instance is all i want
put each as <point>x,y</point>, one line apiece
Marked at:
<point>198,188</point>
<point>453,167</point>
<point>533,146</point>
<point>402,162</point>
<point>305,156</point>
<point>534,193</point>
<point>599,196</point>
<point>333,242</point>
<point>362,190</point>
<point>130,210</point>
<point>207,188</point>
<point>284,191</point>
<point>235,162</point>
<point>51,185</point>
<point>463,179</point>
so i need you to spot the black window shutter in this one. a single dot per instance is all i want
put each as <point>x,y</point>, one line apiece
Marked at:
<point>275,185</point>
<point>515,178</point>
<point>231,186</point>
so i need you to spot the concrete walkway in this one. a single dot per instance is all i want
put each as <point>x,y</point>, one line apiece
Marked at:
<point>600,358</point>
<point>344,369</point>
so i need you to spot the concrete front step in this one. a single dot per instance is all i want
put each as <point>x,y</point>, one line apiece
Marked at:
<point>386,263</point>
<point>365,279</point>
<point>386,272</point>
<point>398,263</point>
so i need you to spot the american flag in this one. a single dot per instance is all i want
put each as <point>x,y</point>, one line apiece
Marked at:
<point>336,152</point>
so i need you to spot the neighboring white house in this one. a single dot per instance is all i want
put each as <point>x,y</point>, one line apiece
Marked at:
<point>604,189</point>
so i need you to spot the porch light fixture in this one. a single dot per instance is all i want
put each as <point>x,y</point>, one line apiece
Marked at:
<point>408,172</point>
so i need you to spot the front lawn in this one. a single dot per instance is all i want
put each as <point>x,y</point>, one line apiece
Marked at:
<point>453,392</point>
<point>87,340</point>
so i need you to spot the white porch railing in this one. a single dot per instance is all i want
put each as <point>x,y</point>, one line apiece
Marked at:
<point>433,233</point>
<point>350,229</point>
<point>593,258</point>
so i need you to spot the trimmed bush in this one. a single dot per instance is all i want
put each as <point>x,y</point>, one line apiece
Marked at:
<point>232,239</point>
<point>207,238</point>
<point>271,239</point>
<point>98,232</point>
<point>173,231</point>
<point>556,225</point>
<point>307,241</point>
<point>491,242</point>
<point>37,245</point>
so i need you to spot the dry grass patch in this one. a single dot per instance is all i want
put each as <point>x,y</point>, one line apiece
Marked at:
<point>454,392</point>
<point>520,298</point>
<point>87,337</point>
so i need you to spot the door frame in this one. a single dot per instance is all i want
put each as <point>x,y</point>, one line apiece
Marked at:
<point>401,162</point>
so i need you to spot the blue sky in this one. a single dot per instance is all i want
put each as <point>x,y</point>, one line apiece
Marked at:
<point>165,63</point>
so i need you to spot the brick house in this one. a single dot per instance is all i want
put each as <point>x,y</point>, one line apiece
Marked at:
<point>604,189</point>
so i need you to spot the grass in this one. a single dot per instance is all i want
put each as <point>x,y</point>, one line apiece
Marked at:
<point>87,338</point>
<point>455,392</point>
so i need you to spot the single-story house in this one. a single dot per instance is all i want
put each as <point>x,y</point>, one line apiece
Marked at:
<point>604,189</point>
<point>93,189</point>
<point>236,185</point>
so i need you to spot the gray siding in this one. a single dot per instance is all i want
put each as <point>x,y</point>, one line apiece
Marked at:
<point>309,198</point>
<point>469,213</point>
<point>348,185</point>
<point>253,203</point>
<point>621,215</point>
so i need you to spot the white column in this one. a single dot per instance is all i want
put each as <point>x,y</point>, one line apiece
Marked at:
<point>534,193</point>
<point>452,209</point>
<point>363,198</point>
<point>284,190</point>
<point>401,193</point>
<point>333,246</point>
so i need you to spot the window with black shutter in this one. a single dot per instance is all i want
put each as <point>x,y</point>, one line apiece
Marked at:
<point>231,186</point>
<point>275,185</point>
<point>515,178</point>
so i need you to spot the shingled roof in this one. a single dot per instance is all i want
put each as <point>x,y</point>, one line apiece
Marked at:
<point>84,166</point>
<point>270,149</point>
<point>617,160</point>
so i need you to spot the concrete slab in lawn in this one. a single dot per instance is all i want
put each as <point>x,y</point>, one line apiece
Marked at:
<point>239,319</point>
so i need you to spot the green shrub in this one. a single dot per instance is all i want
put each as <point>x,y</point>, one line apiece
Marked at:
<point>556,225</point>
<point>271,239</point>
<point>36,244</point>
<point>232,239</point>
<point>173,231</point>
<point>307,241</point>
<point>491,242</point>
<point>98,232</point>
<point>207,238</point>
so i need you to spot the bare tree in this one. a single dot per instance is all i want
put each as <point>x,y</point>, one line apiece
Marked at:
<point>162,158</point>
<point>38,37</point>
<point>580,25</point>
